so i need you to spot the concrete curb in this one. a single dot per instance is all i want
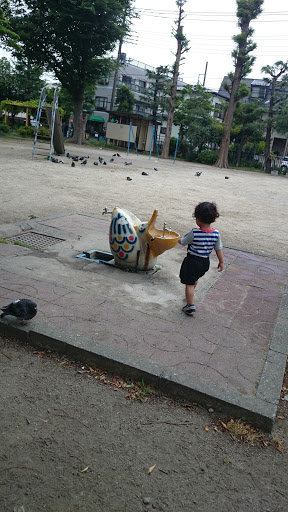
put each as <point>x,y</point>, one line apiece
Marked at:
<point>259,410</point>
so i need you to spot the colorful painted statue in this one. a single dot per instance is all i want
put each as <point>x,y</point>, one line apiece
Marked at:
<point>135,244</point>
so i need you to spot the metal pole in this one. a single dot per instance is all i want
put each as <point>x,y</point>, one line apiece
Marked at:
<point>152,141</point>
<point>129,138</point>
<point>176,150</point>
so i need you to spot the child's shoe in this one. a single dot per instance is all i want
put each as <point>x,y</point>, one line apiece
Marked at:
<point>189,309</point>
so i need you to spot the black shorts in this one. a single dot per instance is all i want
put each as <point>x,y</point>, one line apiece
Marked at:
<point>192,268</point>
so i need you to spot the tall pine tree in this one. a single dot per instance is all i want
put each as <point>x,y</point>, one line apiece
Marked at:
<point>247,10</point>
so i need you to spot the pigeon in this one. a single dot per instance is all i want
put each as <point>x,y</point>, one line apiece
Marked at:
<point>100,159</point>
<point>127,163</point>
<point>104,163</point>
<point>24,309</point>
<point>118,154</point>
<point>226,177</point>
<point>81,158</point>
<point>68,155</point>
<point>128,178</point>
<point>198,173</point>
<point>73,164</point>
<point>54,160</point>
<point>84,162</point>
<point>156,169</point>
<point>95,163</point>
<point>111,160</point>
<point>144,173</point>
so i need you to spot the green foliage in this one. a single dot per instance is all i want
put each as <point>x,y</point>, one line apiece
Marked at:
<point>8,38</point>
<point>72,39</point>
<point>155,97</point>
<point>4,128</point>
<point>125,99</point>
<point>19,81</point>
<point>261,147</point>
<point>25,131</point>
<point>192,114</point>
<point>207,157</point>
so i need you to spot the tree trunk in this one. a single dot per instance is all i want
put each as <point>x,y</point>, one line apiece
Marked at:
<point>80,120</point>
<point>267,152</point>
<point>165,149</point>
<point>239,152</point>
<point>228,119</point>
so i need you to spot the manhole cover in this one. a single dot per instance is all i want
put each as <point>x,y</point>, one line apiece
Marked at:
<point>36,240</point>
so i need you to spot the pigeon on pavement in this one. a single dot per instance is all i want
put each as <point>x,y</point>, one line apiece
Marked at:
<point>144,173</point>
<point>128,178</point>
<point>73,164</point>
<point>24,309</point>
<point>156,169</point>
<point>198,173</point>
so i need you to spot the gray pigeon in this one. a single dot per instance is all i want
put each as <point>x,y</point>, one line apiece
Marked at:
<point>24,309</point>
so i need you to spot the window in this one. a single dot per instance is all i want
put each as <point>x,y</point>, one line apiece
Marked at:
<point>258,91</point>
<point>101,102</point>
<point>163,130</point>
<point>126,79</point>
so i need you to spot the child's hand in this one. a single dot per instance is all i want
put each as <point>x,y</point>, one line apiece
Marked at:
<point>220,266</point>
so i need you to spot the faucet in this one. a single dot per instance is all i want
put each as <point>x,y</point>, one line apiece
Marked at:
<point>165,229</point>
<point>105,210</point>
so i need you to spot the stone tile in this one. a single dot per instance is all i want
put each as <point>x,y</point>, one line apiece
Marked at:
<point>77,223</point>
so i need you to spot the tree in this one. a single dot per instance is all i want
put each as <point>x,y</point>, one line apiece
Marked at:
<point>275,72</point>
<point>193,115</point>
<point>125,99</point>
<point>182,47</point>
<point>19,82</point>
<point>155,96</point>
<point>247,125</point>
<point>247,10</point>
<point>8,38</point>
<point>7,80</point>
<point>72,39</point>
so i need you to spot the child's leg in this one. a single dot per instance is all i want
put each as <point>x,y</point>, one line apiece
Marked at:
<point>189,292</point>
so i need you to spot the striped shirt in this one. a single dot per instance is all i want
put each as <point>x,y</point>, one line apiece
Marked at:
<point>201,242</point>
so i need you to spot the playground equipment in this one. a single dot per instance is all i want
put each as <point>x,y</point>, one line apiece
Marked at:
<point>49,117</point>
<point>134,245</point>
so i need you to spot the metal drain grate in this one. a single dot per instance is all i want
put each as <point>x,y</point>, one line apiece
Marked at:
<point>35,240</point>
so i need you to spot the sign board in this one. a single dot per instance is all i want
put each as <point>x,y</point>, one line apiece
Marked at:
<point>120,132</point>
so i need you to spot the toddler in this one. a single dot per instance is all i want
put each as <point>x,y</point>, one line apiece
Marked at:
<point>201,241</point>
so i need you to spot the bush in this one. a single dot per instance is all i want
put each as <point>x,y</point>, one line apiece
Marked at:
<point>4,128</point>
<point>25,131</point>
<point>207,157</point>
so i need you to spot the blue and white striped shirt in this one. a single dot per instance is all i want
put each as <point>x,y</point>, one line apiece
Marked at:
<point>201,242</point>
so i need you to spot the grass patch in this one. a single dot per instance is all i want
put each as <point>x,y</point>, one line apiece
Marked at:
<point>245,433</point>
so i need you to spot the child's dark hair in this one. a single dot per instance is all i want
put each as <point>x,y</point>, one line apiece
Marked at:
<point>206,212</point>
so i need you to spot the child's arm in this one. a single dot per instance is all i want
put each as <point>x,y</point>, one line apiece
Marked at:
<point>220,257</point>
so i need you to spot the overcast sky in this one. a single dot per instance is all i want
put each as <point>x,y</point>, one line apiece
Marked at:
<point>209,26</point>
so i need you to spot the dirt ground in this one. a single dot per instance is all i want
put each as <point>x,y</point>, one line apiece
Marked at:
<point>74,439</point>
<point>73,442</point>
<point>253,206</point>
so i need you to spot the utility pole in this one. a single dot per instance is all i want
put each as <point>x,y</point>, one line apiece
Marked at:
<point>113,96</point>
<point>204,79</point>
